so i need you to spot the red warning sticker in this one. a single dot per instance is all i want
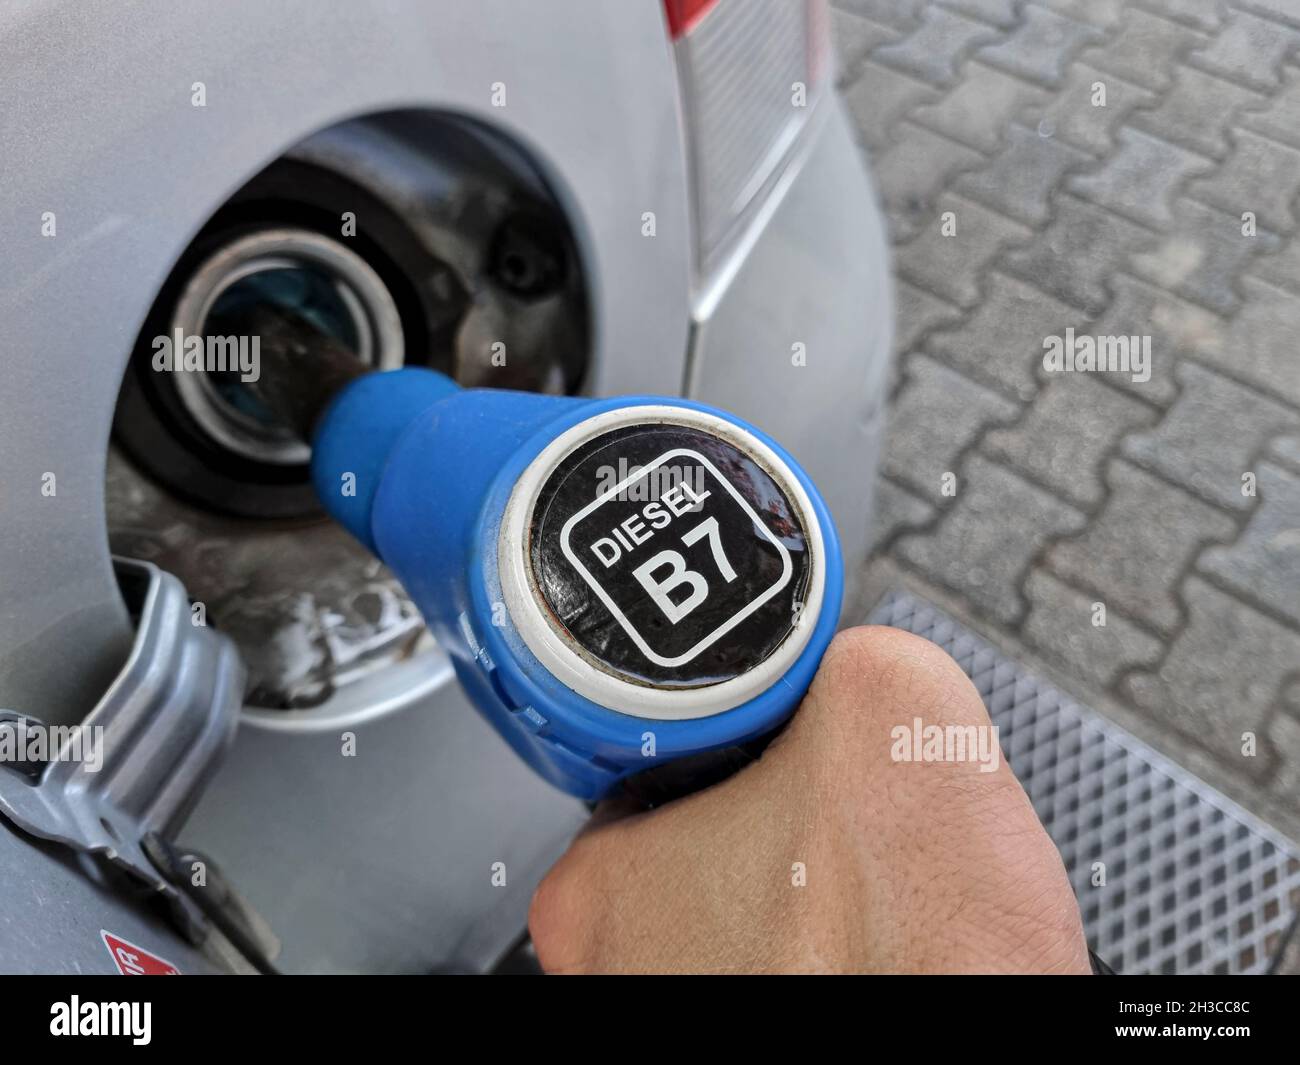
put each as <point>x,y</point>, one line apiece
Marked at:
<point>136,961</point>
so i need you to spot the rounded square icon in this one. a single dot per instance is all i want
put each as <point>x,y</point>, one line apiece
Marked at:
<point>687,566</point>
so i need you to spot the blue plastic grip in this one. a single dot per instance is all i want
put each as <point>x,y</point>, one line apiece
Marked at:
<point>434,467</point>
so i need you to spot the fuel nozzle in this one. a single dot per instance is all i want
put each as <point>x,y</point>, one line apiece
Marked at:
<point>621,583</point>
<point>301,367</point>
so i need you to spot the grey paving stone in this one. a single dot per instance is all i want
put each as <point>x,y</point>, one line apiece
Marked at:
<point>955,267</point>
<point>936,416</point>
<point>1041,46</point>
<point>1175,326</point>
<point>1000,343</point>
<point>1287,11</point>
<point>1072,117</point>
<point>1284,738</point>
<point>916,312</point>
<point>1190,446</point>
<point>1140,178</point>
<point>1260,175</point>
<point>1001,13</point>
<point>902,15</point>
<point>1202,255</point>
<point>1060,623</point>
<point>985,540</point>
<point>879,97</point>
<point>1264,563</point>
<point>1104,13</point>
<point>934,50</point>
<point>853,37</point>
<point>1262,343</point>
<point>1020,180</point>
<point>1279,117</point>
<point>1248,49</point>
<point>1144,49</point>
<point>1203,14</point>
<point>896,509</point>
<point>1195,113</point>
<point>1221,675</point>
<point>1064,438</point>
<point>1286,449</point>
<point>1281,267</point>
<point>1081,248</point>
<point>1135,551</point>
<point>977,111</point>
<point>911,172</point>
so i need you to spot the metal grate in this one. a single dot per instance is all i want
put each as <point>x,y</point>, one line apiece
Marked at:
<point>1193,883</point>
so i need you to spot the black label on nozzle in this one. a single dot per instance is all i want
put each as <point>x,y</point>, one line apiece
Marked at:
<point>669,556</point>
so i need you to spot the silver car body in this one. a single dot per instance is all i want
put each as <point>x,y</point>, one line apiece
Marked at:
<point>389,861</point>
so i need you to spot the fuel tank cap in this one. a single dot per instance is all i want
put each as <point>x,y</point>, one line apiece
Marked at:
<point>662,561</point>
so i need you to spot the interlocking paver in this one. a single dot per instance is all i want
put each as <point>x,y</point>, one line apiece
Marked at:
<point>1104,13</point>
<point>933,51</point>
<point>1001,13</point>
<point>879,97</point>
<point>1099,156</point>
<point>1202,255</point>
<point>917,312</point>
<point>902,15</point>
<point>985,540</point>
<point>1076,254</point>
<point>1000,342</point>
<point>896,509</point>
<point>1144,49</point>
<point>1020,179</point>
<point>1139,180</point>
<point>1204,14</point>
<point>1196,112</point>
<point>854,37</point>
<point>1284,738</point>
<point>954,267</point>
<point>1285,11</point>
<point>977,111</point>
<point>1260,175</point>
<point>1221,675</point>
<point>1060,622</point>
<point>1072,116</point>
<point>911,173</point>
<point>1175,327</point>
<point>1281,267</point>
<point>1041,47</point>
<point>1287,449</point>
<point>1262,343</point>
<point>1280,117</point>
<point>1249,49</point>
<point>1064,438</point>
<point>1264,563</point>
<point>1210,435</point>
<point>937,414</point>
<point>1133,554</point>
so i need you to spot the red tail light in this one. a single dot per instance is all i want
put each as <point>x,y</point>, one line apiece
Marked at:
<point>683,14</point>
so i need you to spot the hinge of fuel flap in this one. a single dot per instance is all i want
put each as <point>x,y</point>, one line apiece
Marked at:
<point>120,784</point>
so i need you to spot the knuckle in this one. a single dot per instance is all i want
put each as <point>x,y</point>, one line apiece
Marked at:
<point>879,673</point>
<point>559,916</point>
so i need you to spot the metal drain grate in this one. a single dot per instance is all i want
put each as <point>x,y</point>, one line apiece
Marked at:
<point>1194,883</point>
